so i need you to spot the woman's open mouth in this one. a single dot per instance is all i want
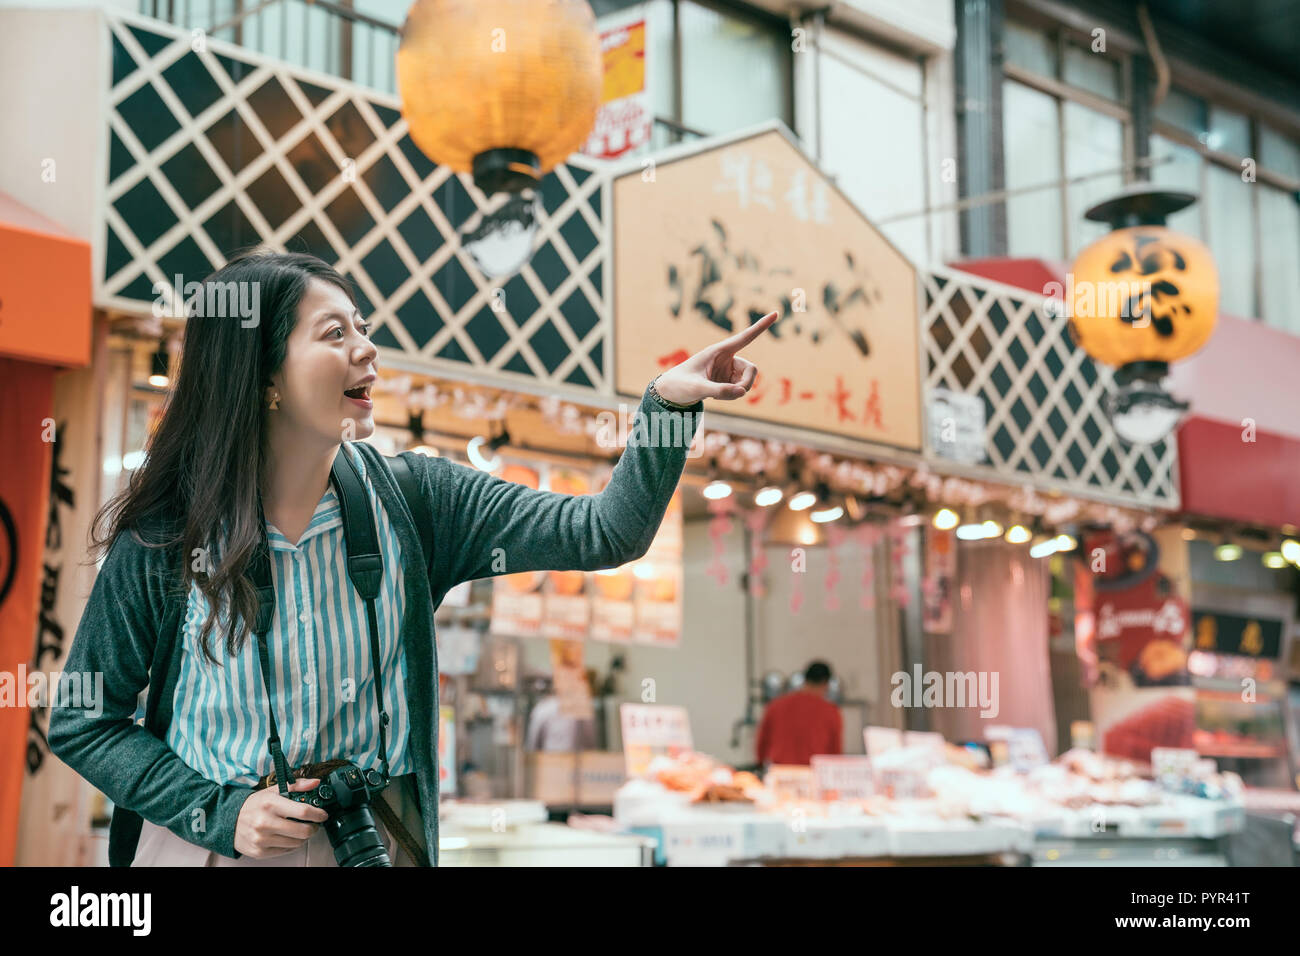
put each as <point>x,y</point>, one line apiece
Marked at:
<point>360,394</point>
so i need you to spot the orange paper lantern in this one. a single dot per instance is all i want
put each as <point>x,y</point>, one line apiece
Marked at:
<point>503,89</point>
<point>1143,293</point>
<point>1142,297</point>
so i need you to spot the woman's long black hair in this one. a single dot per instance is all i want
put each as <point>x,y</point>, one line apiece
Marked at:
<point>201,480</point>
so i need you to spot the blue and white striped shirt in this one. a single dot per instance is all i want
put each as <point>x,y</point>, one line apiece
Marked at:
<point>322,677</point>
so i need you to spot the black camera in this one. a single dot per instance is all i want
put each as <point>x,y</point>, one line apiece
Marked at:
<point>345,795</point>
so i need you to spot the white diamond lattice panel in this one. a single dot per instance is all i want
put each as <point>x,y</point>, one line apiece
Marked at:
<point>1042,395</point>
<point>214,148</point>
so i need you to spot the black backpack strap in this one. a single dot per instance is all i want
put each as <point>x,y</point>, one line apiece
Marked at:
<point>410,488</point>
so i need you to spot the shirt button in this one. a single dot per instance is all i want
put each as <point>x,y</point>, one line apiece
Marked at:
<point>308,677</point>
<point>304,617</point>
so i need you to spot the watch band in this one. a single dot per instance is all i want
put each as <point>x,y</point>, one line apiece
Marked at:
<point>655,392</point>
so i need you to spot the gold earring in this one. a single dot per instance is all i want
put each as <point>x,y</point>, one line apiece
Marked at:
<point>274,402</point>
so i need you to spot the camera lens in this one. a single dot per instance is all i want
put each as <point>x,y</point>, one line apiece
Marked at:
<point>355,840</point>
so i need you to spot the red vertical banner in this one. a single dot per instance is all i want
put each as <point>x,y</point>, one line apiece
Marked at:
<point>57,803</point>
<point>26,407</point>
<point>1132,630</point>
<point>936,585</point>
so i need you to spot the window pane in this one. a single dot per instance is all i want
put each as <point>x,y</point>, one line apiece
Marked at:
<point>881,182</point>
<point>1279,227</point>
<point>373,49</point>
<point>392,11</point>
<point>659,56</point>
<point>599,7</point>
<point>1094,72</point>
<point>1030,49</point>
<point>1278,153</point>
<point>1094,143</point>
<point>1184,111</point>
<point>1229,132</point>
<point>1183,171</point>
<point>735,73</point>
<point>1232,239</point>
<point>1033,157</point>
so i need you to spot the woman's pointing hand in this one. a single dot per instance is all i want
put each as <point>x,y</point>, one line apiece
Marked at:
<point>716,371</point>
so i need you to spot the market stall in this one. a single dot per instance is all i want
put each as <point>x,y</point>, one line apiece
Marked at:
<point>929,801</point>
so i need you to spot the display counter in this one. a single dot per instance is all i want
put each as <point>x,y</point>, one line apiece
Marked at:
<point>516,833</point>
<point>541,844</point>
<point>722,836</point>
<point>920,807</point>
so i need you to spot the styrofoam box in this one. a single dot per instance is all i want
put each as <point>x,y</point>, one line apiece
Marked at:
<point>764,837</point>
<point>957,838</point>
<point>709,842</point>
<point>812,840</point>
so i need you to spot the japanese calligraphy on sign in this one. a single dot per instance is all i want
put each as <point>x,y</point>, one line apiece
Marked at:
<point>716,240</point>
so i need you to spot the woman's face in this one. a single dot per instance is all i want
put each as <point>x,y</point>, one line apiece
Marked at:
<point>329,352</point>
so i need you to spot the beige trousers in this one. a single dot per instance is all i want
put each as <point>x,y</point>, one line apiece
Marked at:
<point>158,846</point>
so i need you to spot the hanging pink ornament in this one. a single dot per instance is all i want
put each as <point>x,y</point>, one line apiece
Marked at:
<point>899,540</point>
<point>835,536</point>
<point>796,593</point>
<point>719,528</point>
<point>867,595</point>
<point>757,521</point>
<point>866,536</point>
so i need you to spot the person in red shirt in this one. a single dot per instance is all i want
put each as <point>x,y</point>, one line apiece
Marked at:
<point>802,723</point>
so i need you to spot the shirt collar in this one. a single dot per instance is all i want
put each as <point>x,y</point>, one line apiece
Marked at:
<point>328,513</point>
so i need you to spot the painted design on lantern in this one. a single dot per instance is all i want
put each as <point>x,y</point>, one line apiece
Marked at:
<point>1152,257</point>
<point>1167,304</point>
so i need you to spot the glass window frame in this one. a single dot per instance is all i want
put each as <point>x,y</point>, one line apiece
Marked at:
<point>1232,161</point>
<point>673,126</point>
<point>1062,92</point>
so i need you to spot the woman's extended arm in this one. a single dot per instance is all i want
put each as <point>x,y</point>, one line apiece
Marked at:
<point>497,527</point>
<point>97,736</point>
<point>489,526</point>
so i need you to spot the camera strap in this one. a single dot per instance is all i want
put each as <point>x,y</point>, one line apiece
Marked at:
<point>365,569</point>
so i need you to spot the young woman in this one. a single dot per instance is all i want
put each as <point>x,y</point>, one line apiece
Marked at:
<point>239,467</point>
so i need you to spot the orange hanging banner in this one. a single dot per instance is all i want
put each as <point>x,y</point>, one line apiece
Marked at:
<point>45,313</point>
<point>26,401</point>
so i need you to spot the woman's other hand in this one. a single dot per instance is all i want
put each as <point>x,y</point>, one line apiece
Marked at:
<point>270,825</point>
<point>714,372</point>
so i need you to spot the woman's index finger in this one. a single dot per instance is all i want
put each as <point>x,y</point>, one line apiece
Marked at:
<point>742,338</point>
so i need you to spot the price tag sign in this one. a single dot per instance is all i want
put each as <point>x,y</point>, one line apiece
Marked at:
<point>842,777</point>
<point>1025,748</point>
<point>651,730</point>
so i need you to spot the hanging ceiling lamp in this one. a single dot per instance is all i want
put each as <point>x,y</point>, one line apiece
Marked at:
<point>505,90</point>
<point>1143,296</point>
